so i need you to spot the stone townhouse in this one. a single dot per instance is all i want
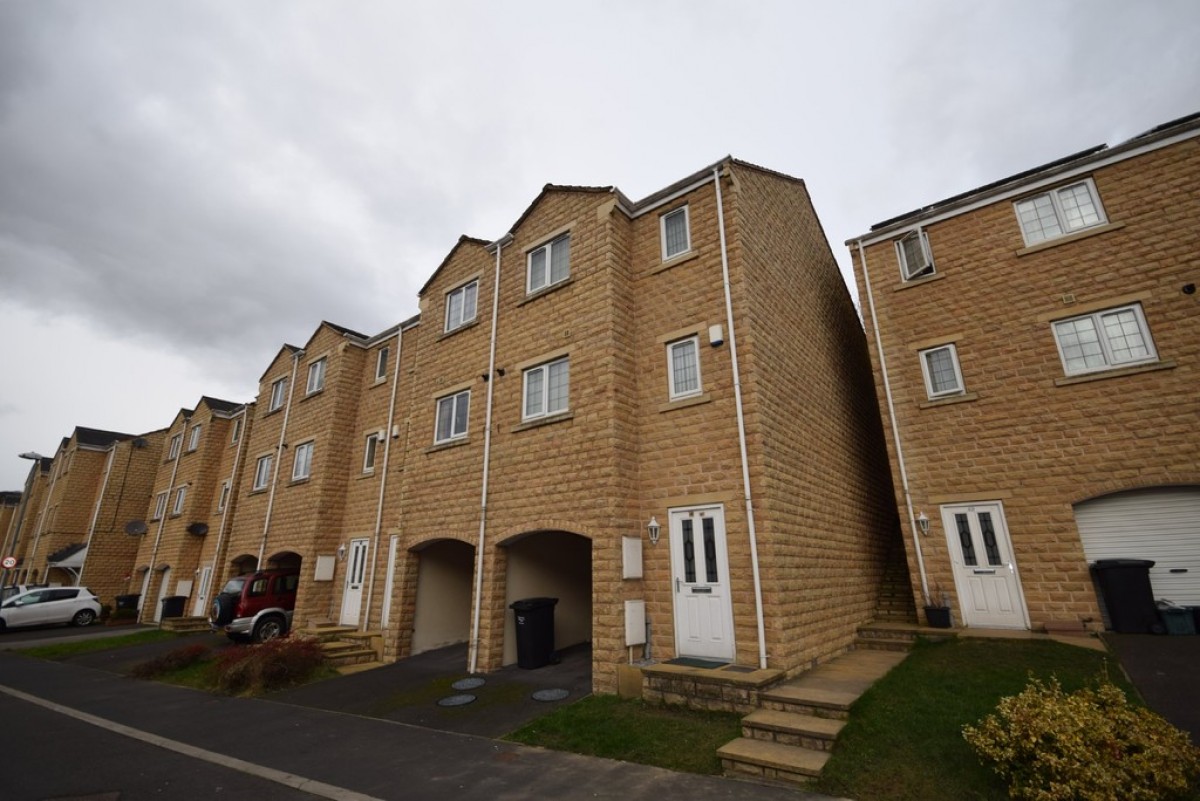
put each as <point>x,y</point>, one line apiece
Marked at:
<point>24,517</point>
<point>1035,344</point>
<point>10,504</point>
<point>192,485</point>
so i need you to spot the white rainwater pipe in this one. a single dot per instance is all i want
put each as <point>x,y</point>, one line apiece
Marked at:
<point>473,661</point>
<point>741,421</point>
<point>237,461</point>
<point>162,521</point>
<point>112,455</point>
<point>287,410</point>
<point>387,451</point>
<point>887,391</point>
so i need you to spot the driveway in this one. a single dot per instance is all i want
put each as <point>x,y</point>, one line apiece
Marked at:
<point>1165,671</point>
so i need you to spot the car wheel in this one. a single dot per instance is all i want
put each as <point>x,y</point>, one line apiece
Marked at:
<point>83,617</point>
<point>269,628</point>
<point>223,609</point>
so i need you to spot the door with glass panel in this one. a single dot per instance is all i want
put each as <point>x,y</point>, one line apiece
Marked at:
<point>699,562</point>
<point>985,572</point>
<point>356,571</point>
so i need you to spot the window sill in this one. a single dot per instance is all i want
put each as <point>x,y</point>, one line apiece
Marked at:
<point>1116,372</point>
<point>1075,237</point>
<point>296,481</point>
<point>684,403</point>
<point>270,412</point>
<point>379,381</point>
<point>460,329</point>
<point>366,474</point>
<point>442,446</point>
<point>543,421</point>
<point>546,290</point>
<point>950,401</point>
<point>925,279</point>
<point>258,491</point>
<point>312,394</point>
<point>674,261</point>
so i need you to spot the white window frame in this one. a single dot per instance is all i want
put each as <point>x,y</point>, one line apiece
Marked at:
<point>451,403</point>
<point>381,362</point>
<point>1055,197</point>
<point>370,451</point>
<point>544,392</point>
<point>160,504</point>
<point>278,389</point>
<point>223,497</point>
<point>1110,362</point>
<point>462,292</point>
<point>547,279</point>
<point>674,392</point>
<point>958,388</point>
<point>316,376</point>
<point>237,431</point>
<point>687,232</point>
<point>176,446</point>
<point>262,472</point>
<point>926,268</point>
<point>194,438</point>
<point>302,459</point>
<point>180,497</point>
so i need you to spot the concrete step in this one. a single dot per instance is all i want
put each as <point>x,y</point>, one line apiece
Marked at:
<point>347,670</point>
<point>185,624</point>
<point>770,760</point>
<point>325,631</point>
<point>789,728</point>
<point>350,656</point>
<point>810,701</point>
<point>878,644</point>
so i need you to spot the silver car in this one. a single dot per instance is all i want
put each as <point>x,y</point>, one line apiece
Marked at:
<point>48,605</point>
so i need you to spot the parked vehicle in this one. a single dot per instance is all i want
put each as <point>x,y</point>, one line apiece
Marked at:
<point>38,607</point>
<point>14,589</point>
<point>256,606</point>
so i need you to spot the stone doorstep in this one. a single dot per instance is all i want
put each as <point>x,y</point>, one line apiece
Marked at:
<point>772,760</point>
<point>753,680</point>
<point>816,701</point>
<point>882,644</point>
<point>790,728</point>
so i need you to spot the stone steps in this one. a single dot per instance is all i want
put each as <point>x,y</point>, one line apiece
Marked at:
<point>185,624</point>
<point>768,760</point>
<point>346,648</point>
<point>790,728</point>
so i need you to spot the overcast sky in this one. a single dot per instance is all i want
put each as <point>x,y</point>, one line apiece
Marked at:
<point>185,186</point>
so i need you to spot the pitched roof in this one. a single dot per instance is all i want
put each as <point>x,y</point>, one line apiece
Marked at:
<point>98,437</point>
<point>218,405</point>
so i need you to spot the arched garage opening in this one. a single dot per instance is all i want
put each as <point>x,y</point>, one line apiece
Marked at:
<point>442,615</point>
<point>243,563</point>
<point>284,560</point>
<point>550,564</point>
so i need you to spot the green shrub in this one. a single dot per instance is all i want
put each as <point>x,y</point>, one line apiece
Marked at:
<point>1090,745</point>
<point>169,662</point>
<point>271,666</point>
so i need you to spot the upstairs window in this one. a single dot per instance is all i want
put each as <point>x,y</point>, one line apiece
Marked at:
<point>369,452</point>
<point>1104,340</point>
<point>160,505</point>
<point>316,377</point>
<point>176,444</point>
<point>676,238</point>
<point>237,431</point>
<point>381,363</point>
<point>180,496</point>
<point>942,374</point>
<point>916,259</point>
<point>460,306</point>
<point>683,367</point>
<point>547,388</point>
<point>550,264</point>
<point>1060,212</point>
<point>194,439</point>
<point>302,461</point>
<point>223,498</point>
<point>277,392</point>
<point>452,414</point>
<point>262,472</point>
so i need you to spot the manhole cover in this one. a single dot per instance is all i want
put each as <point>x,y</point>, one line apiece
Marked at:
<point>550,695</point>
<point>467,684</point>
<point>457,700</point>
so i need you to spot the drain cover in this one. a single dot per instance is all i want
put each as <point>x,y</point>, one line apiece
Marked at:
<point>456,700</point>
<point>550,695</point>
<point>468,684</point>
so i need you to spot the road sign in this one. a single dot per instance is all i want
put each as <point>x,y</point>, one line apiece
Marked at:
<point>9,562</point>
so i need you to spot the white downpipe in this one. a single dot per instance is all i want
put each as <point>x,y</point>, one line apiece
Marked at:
<point>887,391</point>
<point>387,452</point>
<point>162,521</point>
<point>112,455</point>
<point>287,410</point>
<point>741,421</point>
<point>473,661</point>
<point>37,535</point>
<point>237,461</point>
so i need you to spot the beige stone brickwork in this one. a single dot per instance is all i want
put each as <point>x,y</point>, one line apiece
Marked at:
<point>1025,434</point>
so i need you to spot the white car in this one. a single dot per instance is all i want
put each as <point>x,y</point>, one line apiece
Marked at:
<point>40,607</point>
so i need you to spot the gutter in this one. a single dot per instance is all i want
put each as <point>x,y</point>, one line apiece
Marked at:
<point>287,410</point>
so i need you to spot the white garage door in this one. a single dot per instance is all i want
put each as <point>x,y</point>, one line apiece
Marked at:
<point>1162,524</point>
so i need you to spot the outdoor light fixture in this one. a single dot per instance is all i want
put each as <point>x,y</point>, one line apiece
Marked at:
<point>341,552</point>
<point>653,529</point>
<point>923,523</point>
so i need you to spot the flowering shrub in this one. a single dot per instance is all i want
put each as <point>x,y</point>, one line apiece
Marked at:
<point>272,665</point>
<point>169,662</point>
<point>1090,745</point>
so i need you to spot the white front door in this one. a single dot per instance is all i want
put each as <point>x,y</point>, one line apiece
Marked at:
<point>162,593</point>
<point>985,573</point>
<point>703,608</point>
<point>356,570</point>
<point>200,609</point>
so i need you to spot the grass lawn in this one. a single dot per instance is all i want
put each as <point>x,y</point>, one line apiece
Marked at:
<point>65,650</point>
<point>904,739</point>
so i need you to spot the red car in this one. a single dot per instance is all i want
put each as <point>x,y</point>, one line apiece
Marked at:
<point>256,606</point>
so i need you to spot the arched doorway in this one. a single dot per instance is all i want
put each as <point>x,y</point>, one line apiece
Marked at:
<point>443,600</point>
<point>550,564</point>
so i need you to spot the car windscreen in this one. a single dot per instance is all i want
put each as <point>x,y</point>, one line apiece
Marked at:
<point>234,585</point>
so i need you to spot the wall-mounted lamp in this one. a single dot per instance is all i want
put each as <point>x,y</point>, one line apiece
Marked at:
<point>341,552</point>
<point>653,529</point>
<point>923,523</point>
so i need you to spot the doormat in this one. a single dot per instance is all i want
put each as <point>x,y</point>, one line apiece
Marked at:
<point>688,661</point>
